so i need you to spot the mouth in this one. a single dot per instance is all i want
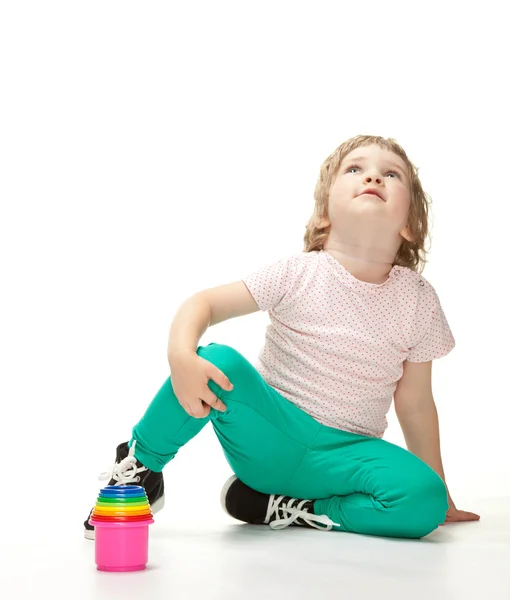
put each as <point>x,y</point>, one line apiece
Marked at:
<point>373,193</point>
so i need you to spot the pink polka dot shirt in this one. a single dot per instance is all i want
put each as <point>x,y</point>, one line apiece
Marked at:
<point>335,345</point>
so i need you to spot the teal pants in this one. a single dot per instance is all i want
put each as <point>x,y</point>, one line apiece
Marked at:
<point>364,484</point>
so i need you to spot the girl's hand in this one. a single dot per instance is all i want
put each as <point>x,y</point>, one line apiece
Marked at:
<point>454,514</point>
<point>190,375</point>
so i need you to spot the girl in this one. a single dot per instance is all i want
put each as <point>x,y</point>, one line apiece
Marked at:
<point>353,325</point>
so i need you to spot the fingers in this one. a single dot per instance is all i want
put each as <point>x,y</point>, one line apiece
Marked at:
<point>198,409</point>
<point>202,406</point>
<point>213,401</point>
<point>202,410</point>
<point>471,517</point>
<point>200,398</point>
<point>220,378</point>
<point>462,515</point>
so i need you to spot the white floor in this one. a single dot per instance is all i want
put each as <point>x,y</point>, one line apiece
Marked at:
<point>228,560</point>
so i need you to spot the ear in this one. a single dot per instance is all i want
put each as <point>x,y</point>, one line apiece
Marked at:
<point>323,223</point>
<point>406,234</point>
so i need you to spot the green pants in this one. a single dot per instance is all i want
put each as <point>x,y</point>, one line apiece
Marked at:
<point>365,484</point>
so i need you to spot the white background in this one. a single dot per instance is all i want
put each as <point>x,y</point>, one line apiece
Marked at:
<point>151,150</point>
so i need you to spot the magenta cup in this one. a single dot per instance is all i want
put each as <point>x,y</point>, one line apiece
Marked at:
<point>121,546</point>
<point>121,535</point>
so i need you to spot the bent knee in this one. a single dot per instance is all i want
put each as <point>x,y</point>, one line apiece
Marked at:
<point>226,358</point>
<point>426,506</point>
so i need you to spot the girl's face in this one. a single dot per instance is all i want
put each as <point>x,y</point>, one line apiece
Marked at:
<point>375,168</point>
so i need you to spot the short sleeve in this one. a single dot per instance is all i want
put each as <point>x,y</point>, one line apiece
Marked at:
<point>270,284</point>
<point>434,334</point>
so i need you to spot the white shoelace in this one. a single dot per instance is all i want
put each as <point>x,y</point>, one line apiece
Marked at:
<point>125,471</point>
<point>292,513</point>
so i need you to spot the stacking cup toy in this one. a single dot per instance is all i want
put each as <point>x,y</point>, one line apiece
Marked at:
<point>121,519</point>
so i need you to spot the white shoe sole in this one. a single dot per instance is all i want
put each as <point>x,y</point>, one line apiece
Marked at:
<point>224,492</point>
<point>155,508</point>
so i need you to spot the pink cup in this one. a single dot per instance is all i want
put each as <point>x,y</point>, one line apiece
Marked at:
<point>121,546</point>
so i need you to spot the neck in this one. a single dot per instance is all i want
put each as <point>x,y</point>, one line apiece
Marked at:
<point>371,265</point>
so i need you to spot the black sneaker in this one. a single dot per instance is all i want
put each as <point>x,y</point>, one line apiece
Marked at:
<point>128,470</point>
<point>246,504</point>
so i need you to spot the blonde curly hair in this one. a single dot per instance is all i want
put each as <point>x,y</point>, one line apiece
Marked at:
<point>410,254</point>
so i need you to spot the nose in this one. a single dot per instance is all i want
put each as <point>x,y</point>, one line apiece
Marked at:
<point>369,177</point>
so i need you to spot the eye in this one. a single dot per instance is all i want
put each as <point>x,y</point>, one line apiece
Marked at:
<point>359,168</point>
